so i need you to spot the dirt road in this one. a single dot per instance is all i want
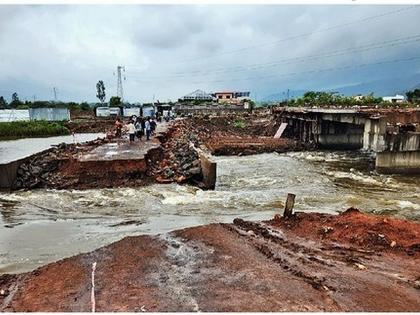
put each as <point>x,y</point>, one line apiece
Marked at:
<point>313,262</point>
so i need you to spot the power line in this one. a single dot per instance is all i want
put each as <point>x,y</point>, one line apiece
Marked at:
<point>336,53</point>
<point>322,70</point>
<point>293,37</point>
<point>258,66</point>
<point>255,78</point>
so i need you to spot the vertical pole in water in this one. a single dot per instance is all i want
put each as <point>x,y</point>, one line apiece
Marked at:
<point>288,208</point>
<point>92,296</point>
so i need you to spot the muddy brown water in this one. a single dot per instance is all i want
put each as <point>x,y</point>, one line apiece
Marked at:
<point>41,226</point>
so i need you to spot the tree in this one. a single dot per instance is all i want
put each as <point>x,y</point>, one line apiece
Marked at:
<point>371,99</point>
<point>114,101</point>
<point>100,91</point>
<point>84,106</point>
<point>15,101</point>
<point>413,96</point>
<point>3,103</point>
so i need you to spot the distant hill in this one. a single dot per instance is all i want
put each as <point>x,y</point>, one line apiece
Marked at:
<point>397,85</point>
<point>280,96</point>
<point>417,86</point>
<point>391,86</point>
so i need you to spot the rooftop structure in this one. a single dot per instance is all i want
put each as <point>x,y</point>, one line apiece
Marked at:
<point>394,99</point>
<point>199,95</point>
<point>233,97</point>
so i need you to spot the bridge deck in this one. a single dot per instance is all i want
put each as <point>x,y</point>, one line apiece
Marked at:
<point>119,151</point>
<point>122,149</point>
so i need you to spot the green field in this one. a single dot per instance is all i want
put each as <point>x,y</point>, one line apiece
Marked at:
<point>27,129</point>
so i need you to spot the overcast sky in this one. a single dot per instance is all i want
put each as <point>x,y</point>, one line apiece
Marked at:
<point>169,51</point>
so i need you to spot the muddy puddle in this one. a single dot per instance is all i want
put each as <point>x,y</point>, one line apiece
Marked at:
<point>37,227</point>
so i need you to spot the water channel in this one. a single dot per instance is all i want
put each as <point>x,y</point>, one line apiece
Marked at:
<point>12,150</point>
<point>41,226</point>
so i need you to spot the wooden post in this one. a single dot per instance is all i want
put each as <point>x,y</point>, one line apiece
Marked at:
<point>288,207</point>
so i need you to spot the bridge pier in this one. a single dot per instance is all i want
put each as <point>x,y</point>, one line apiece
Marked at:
<point>389,162</point>
<point>382,131</point>
<point>340,136</point>
<point>374,134</point>
<point>400,153</point>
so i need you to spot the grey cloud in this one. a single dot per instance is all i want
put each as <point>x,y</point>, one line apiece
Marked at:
<point>171,50</point>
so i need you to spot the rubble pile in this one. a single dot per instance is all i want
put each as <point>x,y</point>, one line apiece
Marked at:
<point>39,170</point>
<point>244,125</point>
<point>243,135</point>
<point>90,125</point>
<point>249,145</point>
<point>180,160</point>
<point>174,160</point>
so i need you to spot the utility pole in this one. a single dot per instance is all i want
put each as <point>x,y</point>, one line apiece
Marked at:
<point>287,100</point>
<point>55,94</point>
<point>120,91</point>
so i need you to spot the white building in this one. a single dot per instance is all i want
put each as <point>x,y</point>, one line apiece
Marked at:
<point>197,95</point>
<point>394,99</point>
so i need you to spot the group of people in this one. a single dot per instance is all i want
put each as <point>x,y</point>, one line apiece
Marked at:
<point>136,127</point>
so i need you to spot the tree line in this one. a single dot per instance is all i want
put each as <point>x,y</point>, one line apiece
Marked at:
<point>314,98</point>
<point>16,103</point>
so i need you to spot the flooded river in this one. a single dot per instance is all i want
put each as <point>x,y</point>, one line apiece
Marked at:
<point>38,227</point>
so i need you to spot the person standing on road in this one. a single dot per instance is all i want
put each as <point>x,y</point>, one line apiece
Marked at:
<point>148,128</point>
<point>131,131</point>
<point>118,127</point>
<point>143,124</point>
<point>153,126</point>
<point>139,128</point>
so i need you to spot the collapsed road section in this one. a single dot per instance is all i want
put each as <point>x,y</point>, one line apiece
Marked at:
<point>180,152</point>
<point>307,262</point>
<point>110,162</point>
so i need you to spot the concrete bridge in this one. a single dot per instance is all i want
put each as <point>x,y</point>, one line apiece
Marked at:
<point>393,134</point>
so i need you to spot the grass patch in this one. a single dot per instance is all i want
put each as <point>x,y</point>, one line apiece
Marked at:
<point>27,129</point>
<point>239,124</point>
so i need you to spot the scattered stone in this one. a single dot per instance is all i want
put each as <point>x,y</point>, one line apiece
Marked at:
<point>360,266</point>
<point>181,179</point>
<point>194,171</point>
<point>4,292</point>
<point>169,173</point>
<point>327,229</point>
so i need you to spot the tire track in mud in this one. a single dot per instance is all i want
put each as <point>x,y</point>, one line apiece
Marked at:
<point>291,256</point>
<point>325,255</point>
<point>292,253</point>
<point>316,265</point>
<point>179,274</point>
<point>12,289</point>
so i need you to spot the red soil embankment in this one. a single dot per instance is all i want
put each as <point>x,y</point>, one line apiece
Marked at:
<point>310,262</point>
<point>358,229</point>
<point>239,135</point>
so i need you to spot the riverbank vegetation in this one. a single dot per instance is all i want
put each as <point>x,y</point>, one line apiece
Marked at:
<point>27,129</point>
<point>16,103</point>
<point>334,99</point>
<point>313,98</point>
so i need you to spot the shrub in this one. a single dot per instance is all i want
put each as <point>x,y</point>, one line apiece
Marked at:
<point>23,129</point>
<point>239,124</point>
